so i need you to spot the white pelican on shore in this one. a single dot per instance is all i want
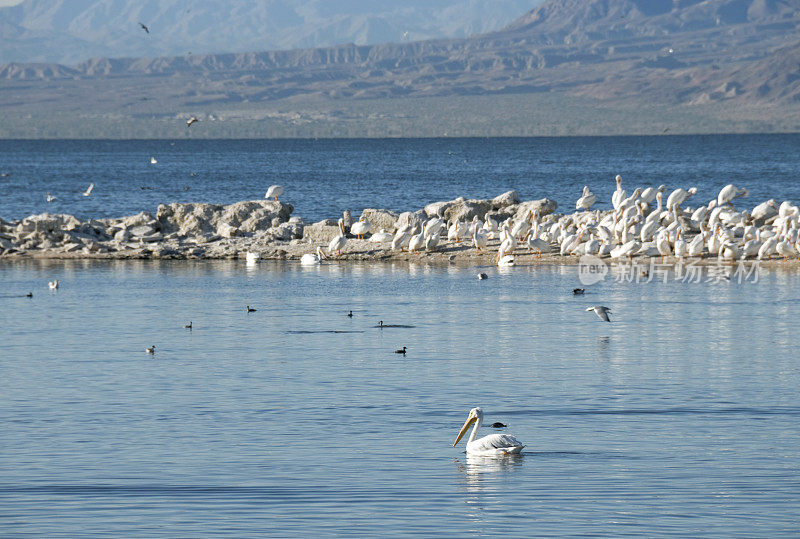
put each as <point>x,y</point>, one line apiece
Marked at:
<point>493,445</point>
<point>382,236</point>
<point>679,196</point>
<point>360,227</point>
<point>311,259</point>
<point>479,239</point>
<point>338,243</point>
<point>252,257</point>
<point>274,192</point>
<point>417,241</point>
<point>619,194</point>
<point>401,238</point>
<point>587,199</point>
<point>729,192</point>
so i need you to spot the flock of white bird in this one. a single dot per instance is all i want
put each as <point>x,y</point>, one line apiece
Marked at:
<point>639,224</point>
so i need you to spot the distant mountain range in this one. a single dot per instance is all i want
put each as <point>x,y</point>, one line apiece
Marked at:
<point>70,31</point>
<point>624,54</point>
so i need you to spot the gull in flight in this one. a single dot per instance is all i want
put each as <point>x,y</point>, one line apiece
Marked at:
<point>601,312</point>
<point>145,28</point>
<point>191,120</point>
<point>89,190</point>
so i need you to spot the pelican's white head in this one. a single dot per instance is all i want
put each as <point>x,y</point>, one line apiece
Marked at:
<point>476,414</point>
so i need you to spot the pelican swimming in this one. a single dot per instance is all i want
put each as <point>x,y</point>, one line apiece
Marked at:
<point>312,259</point>
<point>493,445</point>
<point>53,284</point>
<point>338,242</point>
<point>153,161</point>
<point>274,192</point>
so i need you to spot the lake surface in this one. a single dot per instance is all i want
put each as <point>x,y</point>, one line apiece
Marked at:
<point>680,418</point>
<point>324,177</point>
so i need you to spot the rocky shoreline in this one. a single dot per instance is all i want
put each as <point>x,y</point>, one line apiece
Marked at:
<point>267,229</point>
<point>212,231</point>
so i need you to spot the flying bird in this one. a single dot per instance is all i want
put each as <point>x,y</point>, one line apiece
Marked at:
<point>191,120</point>
<point>89,190</point>
<point>601,312</point>
<point>145,28</point>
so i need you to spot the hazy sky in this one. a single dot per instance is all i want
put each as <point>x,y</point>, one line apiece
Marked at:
<point>9,2</point>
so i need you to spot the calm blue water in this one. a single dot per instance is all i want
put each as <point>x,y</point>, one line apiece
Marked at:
<point>323,177</point>
<point>680,418</point>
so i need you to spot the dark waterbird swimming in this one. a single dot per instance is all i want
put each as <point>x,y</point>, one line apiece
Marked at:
<point>578,291</point>
<point>350,314</point>
<point>188,326</point>
<point>250,309</point>
<point>382,325</point>
<point>401,351</point>
<point>498,425</point>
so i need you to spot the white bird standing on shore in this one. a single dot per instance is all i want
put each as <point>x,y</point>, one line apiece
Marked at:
<point>360,227</point>
<point>619,194</point>
<point>679,196</point>
<point>338,242</point>
<point>274,192</point>
<point>89,190</point>
<point>728,193</point>
<point>586,200</point>
<point>493,445</point>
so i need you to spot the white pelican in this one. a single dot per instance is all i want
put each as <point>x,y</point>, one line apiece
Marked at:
<point>767,248</point>
<point>417,241</point>
<point>153,161</point>
<point>729,192</point>
<point>360,227</point>
<point>338,243</point>
<point>479,239</point>
<point>649,194</point>
<point>506,261</point>
<point>274,192</point>
<point>619,194</point>
<point>382,236</point>
<point>493,445</point>
<point>679,196</point>
<point>252,257</point>
<point>432,241</point>
<point>401,238</point>
<point>765,210</point>
<point>587,199</point>
<point>311,259</point>
<point>89,190</point>
<point>601,312</point>
<point>53,285</point>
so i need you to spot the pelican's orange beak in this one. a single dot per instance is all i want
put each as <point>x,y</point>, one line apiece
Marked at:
<point>470,420</point>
